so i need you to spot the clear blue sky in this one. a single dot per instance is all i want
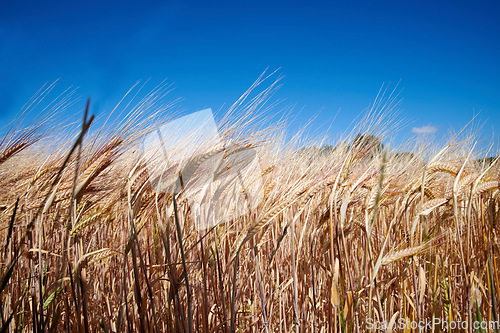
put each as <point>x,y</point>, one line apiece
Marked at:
<point>334,55</point>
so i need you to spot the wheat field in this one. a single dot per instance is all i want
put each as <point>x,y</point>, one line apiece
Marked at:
<point>347,239</point>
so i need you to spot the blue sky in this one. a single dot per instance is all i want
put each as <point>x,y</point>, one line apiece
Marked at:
<point>334,55</point>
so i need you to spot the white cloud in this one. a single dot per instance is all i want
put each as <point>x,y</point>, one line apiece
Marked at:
<point>424,130</point>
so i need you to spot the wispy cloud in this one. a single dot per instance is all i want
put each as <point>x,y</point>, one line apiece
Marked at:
<point>424,130</point>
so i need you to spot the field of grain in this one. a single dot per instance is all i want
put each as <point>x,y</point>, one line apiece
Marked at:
<point>345,239</point>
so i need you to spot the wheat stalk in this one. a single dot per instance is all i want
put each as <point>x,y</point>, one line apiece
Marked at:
<point>442,167</point>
